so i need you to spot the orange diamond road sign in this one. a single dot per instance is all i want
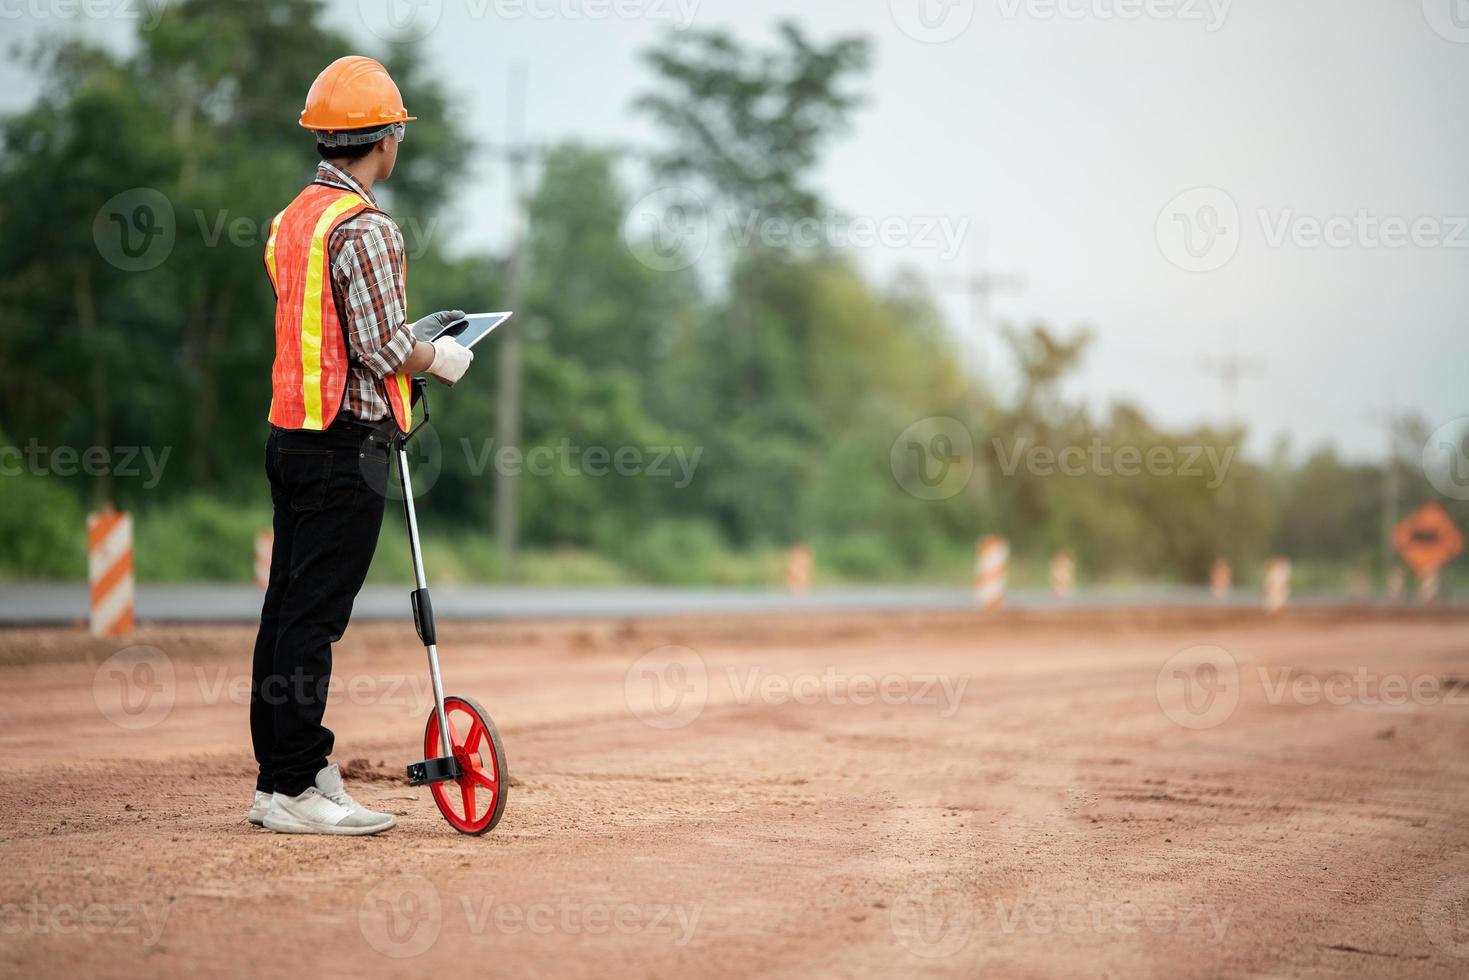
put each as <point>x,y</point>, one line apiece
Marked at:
<point>1428,540</point>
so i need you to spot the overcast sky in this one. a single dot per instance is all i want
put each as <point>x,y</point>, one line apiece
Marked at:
<point>1169,172</point>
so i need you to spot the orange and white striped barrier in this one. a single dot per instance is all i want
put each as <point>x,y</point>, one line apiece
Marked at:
<point>1063,575</point>
<point>798,568</point>
<point>1397,585</point>
<point>110,572</point>
<point>264,545</point>
<point>1277,584</point>
<point>991,570</point>
<point>1221,579</point>
<point>1428,587</point>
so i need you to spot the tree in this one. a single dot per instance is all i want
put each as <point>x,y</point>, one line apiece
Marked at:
<point>188,146</point>
<point>751,125</point>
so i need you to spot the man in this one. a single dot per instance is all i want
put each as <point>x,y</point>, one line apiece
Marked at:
<point>339,395</point>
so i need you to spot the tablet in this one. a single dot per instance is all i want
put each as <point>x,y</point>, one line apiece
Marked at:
<point>473,328</point>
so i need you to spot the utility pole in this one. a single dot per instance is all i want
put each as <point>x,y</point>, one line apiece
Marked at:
<point>1390,494</point>
<point>980,285</point>
<point>1391,422</point>
<point>1230,369</point>
<point>518,153</point>
<point>508,373</point>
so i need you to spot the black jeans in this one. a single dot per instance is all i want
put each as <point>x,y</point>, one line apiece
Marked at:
<point>328,491</point>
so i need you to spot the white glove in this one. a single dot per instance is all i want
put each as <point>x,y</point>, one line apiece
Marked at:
<point>451,360</point>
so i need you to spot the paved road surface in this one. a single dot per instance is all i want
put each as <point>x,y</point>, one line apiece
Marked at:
<point>233,603</point>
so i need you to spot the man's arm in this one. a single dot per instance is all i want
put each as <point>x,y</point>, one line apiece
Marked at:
<point>421,359</point>
<point>371,264</point>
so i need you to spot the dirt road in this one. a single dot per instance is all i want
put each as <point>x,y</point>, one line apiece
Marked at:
<point>945,795</point>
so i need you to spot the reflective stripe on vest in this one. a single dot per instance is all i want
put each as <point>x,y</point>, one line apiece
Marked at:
<point>309,377</point>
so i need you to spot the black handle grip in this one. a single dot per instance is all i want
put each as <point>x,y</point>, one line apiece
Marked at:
<point>423,617</point>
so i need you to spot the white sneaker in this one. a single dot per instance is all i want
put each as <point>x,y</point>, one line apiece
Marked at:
<point>325,809</point>
<point>259,808</point>
<point>329,781</point>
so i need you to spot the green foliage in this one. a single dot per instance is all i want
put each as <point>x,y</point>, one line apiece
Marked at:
<point>197,537</point>
<point>674,550</point>
<point>862,556</point>
<point>42,526</point>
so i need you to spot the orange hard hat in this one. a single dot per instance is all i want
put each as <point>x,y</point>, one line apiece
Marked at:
<point>353,93</point>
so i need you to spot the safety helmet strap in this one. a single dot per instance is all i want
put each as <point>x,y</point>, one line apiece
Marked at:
<point>328,138</point>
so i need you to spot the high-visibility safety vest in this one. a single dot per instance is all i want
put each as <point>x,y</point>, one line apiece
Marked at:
<point>309,378</point>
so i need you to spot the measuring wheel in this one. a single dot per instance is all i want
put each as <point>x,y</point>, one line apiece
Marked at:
<point>464,760</point>
<point>474,800</point>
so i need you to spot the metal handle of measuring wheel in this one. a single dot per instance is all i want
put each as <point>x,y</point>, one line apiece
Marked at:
<point>423,607</point>
<point>423,610</point>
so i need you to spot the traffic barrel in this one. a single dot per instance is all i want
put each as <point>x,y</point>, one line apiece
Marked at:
<point>264,545</point>
<point>1063,574</point>
<point>991,570</point>
<point>110,572</point>
<point>1277,584</point>
<point>1221,579</point>
<point>798,568</point>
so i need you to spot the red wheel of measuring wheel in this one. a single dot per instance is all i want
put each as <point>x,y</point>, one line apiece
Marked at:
<point>474,802</point>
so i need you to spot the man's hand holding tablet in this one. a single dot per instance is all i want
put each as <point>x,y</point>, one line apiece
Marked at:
<point>452,334</point>
<point>469,329</point>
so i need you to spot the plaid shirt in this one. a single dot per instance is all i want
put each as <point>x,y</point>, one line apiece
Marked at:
<point>368,264</point>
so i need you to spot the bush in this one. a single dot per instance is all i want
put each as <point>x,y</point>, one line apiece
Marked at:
<point>569,566</point>
<point>198,539</point>
<point>746,569</point>
<point>858,556</point>
<point>674,550</point>
<point>43,527</point>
